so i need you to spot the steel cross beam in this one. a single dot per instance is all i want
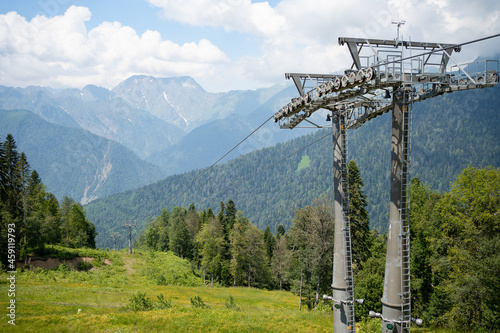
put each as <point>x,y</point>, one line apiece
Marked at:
<point>354,43</point>
<point>363,89</point>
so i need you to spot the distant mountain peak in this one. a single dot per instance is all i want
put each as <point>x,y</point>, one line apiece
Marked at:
<point>148,79</point>
<point>97,92</point>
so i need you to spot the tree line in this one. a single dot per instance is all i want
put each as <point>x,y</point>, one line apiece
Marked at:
<point>36,214</point>
<point>227,249</point>
<point>455,251</point>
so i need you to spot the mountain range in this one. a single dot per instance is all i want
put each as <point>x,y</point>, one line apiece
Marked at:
<point>165,125</point>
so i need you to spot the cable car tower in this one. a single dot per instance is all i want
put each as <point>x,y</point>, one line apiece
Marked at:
<point>385,75</point>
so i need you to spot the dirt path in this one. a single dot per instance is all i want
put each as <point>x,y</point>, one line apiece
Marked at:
<point>128,263</point>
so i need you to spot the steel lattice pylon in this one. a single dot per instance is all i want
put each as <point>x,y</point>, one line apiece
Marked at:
<point>377,82</point>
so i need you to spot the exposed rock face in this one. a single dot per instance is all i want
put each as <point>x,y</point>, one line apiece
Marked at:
<point>51,263</point>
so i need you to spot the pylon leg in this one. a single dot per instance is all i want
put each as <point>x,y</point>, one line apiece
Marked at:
<point>343,310</point>
<point>394,284</point>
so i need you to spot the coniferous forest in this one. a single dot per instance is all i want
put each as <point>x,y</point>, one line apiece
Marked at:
<point>173,166</point>
<point>32,215</point>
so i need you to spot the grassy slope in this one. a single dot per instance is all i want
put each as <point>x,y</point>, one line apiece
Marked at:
<point>49,301</point>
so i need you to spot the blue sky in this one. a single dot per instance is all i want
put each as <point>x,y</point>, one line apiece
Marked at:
<point>223,44</point>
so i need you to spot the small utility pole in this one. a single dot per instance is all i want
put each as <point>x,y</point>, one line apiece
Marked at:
<point>115,235</point>
<point>129,226</point>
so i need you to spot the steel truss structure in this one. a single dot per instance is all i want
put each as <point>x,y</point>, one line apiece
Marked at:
<point>392,76</point>
<point>363,91</point>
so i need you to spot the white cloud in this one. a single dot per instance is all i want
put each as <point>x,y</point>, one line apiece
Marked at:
<point>60,52</point>
<point>233,15</point>
<point>308,40</point>
<point>294,36</point>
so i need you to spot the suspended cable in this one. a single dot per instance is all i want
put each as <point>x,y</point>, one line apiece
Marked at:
<point>268,167</point>
<point>220,159</point>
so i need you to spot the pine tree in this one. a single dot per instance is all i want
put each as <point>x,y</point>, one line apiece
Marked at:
<point>9,182</point>
<point>50,223</point>
<point>3,222</point>
<point>230,214</point>
<point>193,222</point>
<point>22,179</point>
<point>361,237</point>
<point>164,229</point>
<point>209,215</point>
<point>222,219</point>
<point>280,231</point>
<point>34,183</point>
<point>81,231</point>
<point>269,242</point>
<point>179,238</point>
<point>65,227</point>
<point>3,174</point>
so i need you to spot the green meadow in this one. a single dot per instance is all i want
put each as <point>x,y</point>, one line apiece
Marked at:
<point>118,292</point>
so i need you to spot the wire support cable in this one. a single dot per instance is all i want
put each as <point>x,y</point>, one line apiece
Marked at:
<point>268,167</point>
<point>220,159</point>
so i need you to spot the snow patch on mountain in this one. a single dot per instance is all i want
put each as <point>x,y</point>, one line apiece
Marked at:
<point>185,120</point>
<point>166,98</point>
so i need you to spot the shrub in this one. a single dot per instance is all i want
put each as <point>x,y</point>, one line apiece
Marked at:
<point>325,306</point>
<point>370,325</point>
<point>62,267</point>
<point>231,304</point>
<point>160,280</point>
<point>84,266</point>
<point>162,303</point>
<point>197,302</point>
<point>140,302</point>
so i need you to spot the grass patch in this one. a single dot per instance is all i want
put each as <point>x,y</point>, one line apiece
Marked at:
<point>65,253</point>
<point>304,163</point>
<point>164,269</point>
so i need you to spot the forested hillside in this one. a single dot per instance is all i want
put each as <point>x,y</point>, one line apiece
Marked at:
<point>30,216</point>
<point>73,162</point>
<point>450,132</point>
